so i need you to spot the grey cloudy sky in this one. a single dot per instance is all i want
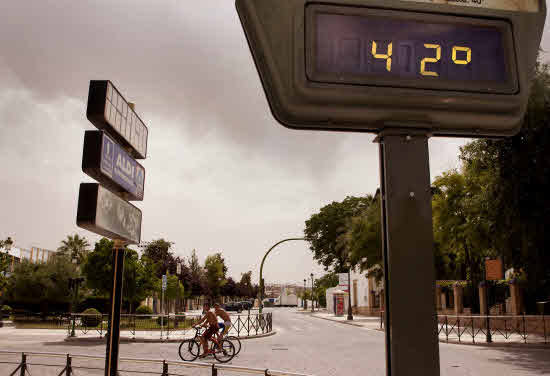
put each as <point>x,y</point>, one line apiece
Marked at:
<point>221,173</point>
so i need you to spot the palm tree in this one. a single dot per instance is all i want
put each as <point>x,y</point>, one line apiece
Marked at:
<point>74,247</point>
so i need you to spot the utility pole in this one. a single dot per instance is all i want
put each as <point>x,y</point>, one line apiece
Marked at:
<point>312,292</point>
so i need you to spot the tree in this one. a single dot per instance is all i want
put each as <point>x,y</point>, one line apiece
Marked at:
<point>230,288</point>
<point>74,247</point>
<point>159,252</point>
<point>5,262</point>
<point>244,287</point>
<point>216,270</point>
<point>42,285</point>
<point>174,288</point>
<point>197,282</point>
<point>322,284</point>
<point>139,278</point>
<point>324,231</point>
<point>364,239</point>
<point>7,242</point>
<point>517,204</point>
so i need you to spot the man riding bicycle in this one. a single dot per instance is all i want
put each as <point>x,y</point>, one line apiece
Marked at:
<point>208,320</point>
<point>226,325</point>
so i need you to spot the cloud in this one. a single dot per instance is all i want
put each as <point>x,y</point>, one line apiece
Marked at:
<point>221,173</point>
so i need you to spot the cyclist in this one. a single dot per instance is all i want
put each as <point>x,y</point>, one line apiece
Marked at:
<point>208,320</point>
<point>226,324</point>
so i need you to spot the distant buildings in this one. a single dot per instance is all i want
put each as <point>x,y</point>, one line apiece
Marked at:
<point>34,255</point>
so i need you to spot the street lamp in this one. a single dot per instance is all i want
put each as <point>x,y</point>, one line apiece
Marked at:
<point>311,292</point>
<point>304,295</point>
<point>350,311</point>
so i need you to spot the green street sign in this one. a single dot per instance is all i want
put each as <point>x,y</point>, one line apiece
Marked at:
<point>446,67</point>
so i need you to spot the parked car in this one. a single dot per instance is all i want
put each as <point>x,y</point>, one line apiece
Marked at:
<point>246,304</point>
<point>233,306</point>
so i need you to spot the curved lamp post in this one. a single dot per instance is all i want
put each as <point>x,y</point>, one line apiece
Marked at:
<point>262,270</point>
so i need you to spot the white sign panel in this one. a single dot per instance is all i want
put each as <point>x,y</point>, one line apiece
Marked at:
<point>343,281</point>
<point>513,5</point>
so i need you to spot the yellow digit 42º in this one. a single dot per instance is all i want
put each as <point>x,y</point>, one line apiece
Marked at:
<point>386,56</point>
<point>435,59</point>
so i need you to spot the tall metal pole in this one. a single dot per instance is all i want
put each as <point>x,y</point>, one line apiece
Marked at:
<point>350,311</point>
<point>407,236</point>
<point>488,336</point>
<point>111,356</point>
<point>311,292</point>
<point>262,270</point>
<point>304,295</point>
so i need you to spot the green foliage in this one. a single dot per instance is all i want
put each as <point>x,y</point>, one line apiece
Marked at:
<point>174,288</point>
<point>197,278</point>
<point>159,252</point>
<point>42,284</point>
<point>139,274</point>
<point>364,241</point>
<point>6,310</point>
<point>144,310</point>
<point>497,204</point>
<point>216,270</point>
<point>5,263</point>
<point>91,321</point>
<point>245,288</point>
<point>74,248</point>
<point>325,231</point>
<point>322,284</point>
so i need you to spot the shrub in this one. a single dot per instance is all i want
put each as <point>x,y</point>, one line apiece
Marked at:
<point>144,310</point>
<point>6,310</point>
<point>91,321</point>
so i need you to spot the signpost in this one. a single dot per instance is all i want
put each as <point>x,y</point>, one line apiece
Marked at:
<point>103,209</point>
<point>343,282</point>
<point>494,271</point>
<point>406,70</point>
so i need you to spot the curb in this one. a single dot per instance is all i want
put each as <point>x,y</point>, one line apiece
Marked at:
<point>341,322</point>
<point>155,340</point>
<point>456,342</point>
<point>496,345</point>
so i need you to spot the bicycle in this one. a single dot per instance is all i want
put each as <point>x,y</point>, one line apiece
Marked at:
<point>235,340</point>
<point>190,349</point>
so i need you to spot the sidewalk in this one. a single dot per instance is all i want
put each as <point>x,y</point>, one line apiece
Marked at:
<point>498,338</point>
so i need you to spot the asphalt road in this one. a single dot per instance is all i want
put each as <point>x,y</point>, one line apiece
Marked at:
<point>302,344</point>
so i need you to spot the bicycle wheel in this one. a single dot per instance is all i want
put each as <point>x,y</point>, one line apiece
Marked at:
<point>225,352</point>
<point>189,350</point>
<point>236,342</point>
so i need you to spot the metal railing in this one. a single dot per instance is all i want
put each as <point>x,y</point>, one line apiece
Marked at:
<point>483,328</point>
<point>144,326</point>
<point>21,364</point>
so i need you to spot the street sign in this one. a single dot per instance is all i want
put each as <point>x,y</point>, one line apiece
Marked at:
<point>104,160</point>
<point>164,282</point>
<point>104,213</point>
<point>343,281</point>
<point>109,111</point>
<point>445,67</point>
<point>494,270</point>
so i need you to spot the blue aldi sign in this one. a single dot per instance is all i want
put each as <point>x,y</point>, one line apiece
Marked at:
<point>108,163</point>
